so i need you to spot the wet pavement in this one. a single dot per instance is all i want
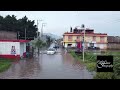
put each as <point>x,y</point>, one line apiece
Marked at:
<point>58,66</point>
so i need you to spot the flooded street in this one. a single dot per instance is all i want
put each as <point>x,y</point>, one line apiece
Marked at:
<point>58,66</point>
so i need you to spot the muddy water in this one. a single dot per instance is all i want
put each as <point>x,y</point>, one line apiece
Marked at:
<point>58,66</point>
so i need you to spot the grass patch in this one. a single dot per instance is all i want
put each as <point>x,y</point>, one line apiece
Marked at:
<point>90,62</point>
<point>4,64</point>
<point>91,66</point>
<point>104,75</point>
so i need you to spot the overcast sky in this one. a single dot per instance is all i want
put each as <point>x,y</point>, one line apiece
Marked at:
<point>59,22</point>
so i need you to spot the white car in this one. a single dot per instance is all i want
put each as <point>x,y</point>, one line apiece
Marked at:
<point>51,51</point>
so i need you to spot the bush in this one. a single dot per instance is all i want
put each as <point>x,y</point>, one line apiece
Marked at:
<point>117,68</point>
<point>104,75</point>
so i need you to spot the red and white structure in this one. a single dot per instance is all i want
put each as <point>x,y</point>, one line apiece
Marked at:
<point>12,49</point>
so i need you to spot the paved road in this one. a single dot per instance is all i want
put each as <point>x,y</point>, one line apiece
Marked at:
<point>58,66</point>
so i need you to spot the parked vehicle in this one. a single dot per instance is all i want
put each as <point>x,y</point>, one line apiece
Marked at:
<point>51,51</point>
<point>93,48</point>
<point>56,47</point>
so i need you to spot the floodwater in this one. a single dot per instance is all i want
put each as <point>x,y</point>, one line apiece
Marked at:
<point>58,66</point>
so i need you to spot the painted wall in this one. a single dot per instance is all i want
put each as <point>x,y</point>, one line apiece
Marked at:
<point>97,39</point>
<point>88,39</point>
<point>102,46</point>
<point>5,47</point>
<point>114,46</point>
<point>74,38</point>
<point>105,38</point>
<point>8,35</point>
<point>65,38</point>
<point>22,48</point>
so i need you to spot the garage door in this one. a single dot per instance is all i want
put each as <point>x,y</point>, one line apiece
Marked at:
<point>101,46</point>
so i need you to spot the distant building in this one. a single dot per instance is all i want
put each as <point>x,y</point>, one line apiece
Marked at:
<point>113,42</point>
<point>91,38</point>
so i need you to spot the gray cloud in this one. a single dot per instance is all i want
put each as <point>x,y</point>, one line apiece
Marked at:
<point>59,22</point>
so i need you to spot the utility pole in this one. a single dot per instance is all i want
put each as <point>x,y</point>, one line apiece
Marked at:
<point>37,27</point>
<point>83,42</point>
<point>18,35</point>
<point>43,24</point>
<point>25,33</point>
<point>41,30</point>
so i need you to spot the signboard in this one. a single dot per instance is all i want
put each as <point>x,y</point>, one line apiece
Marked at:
<point>104,63</point>
<point>13,50</point>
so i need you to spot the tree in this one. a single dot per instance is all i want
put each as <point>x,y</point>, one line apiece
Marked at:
<point>39,44</point>
<point>11,23</point>
<point>30,28</point>
<point>49,40</point>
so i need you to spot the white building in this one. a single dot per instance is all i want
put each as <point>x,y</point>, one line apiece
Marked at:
<point>12,48</point>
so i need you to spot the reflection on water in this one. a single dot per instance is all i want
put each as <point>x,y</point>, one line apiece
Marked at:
<point>58,66</point>
<point>21,69</point>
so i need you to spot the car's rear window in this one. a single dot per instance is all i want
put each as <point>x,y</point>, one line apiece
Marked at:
<point>51,49</point>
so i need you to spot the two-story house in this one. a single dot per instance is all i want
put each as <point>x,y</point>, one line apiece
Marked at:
<point>91,38</point>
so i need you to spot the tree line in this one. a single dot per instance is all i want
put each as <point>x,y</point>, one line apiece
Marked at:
<point>11,23</point>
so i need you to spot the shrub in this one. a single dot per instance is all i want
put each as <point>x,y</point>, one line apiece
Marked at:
<point>117,68</point>
<point>91,66</point>
<point>104,75</point>
<point>91,57</point>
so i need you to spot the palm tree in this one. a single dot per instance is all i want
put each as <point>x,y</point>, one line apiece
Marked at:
<point>39,44</point>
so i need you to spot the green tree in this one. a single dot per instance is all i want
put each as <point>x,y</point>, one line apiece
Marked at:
<point>49,40</point>
<point>11,23</point>
<point>39,44</point>
<point>30,28</point>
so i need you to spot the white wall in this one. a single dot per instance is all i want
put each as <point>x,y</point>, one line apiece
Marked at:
<point>102,46</point>
<point>65,45</point>
<point>5,47</point>
<point>73,44</point>
<point>22,48</point>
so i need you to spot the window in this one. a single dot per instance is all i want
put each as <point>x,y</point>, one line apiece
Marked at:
<point>101,39</point>
<point>94,38</point>
<point>78,37</point>
<point>69,38</point>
